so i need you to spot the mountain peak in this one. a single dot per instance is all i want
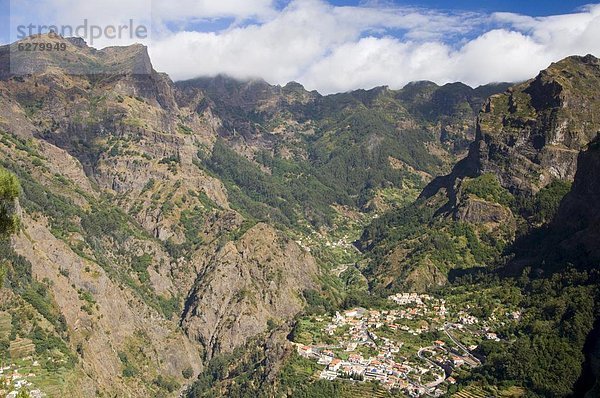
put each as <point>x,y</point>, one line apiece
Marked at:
<point>72,56</point>
<point>588,59</point>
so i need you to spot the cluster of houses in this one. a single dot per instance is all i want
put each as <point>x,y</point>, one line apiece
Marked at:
<point>449,357</point>
<point>12,382</point>
<point>361,351</point>
<point>381,368</point>
<point>466,319</point>
<point>358,333</point>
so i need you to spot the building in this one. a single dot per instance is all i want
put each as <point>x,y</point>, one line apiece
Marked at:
<point>334,365</point>
<point>305,351</point>
<point>351,346</point>
<point>324,360</point>
<point>328,375</point>
<point>457,361</point>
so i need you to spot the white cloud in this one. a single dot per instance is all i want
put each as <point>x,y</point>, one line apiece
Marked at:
<point>201,9</point>
<point>332,48</point>
<point>342,48</point>
<point>304,38</point>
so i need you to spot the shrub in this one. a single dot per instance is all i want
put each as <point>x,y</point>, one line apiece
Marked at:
<point>166,383</point>
<point>488,188</point>
<point>187,373</point>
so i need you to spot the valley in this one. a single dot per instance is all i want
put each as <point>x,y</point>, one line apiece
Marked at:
<point>395,346</point>
<point>231,238</point>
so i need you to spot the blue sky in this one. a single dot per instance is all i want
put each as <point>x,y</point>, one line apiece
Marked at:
<point>527,7</point>
<point>339,45</point>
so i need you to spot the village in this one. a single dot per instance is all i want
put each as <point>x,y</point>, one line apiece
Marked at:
<point>391,346</point>
<point>12,382</point>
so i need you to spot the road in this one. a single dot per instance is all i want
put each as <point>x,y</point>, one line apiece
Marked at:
<point>459,344</point>
<point>440,379</point>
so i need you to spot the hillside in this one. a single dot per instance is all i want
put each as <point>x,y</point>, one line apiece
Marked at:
<point>520,165</point>
<point>156,236</point>
<point>165,224</point>
<point>349,146</point>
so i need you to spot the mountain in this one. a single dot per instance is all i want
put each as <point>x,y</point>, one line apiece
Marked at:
<point>517,170</point>
<point>554,267</point>
<point>164,225</point>
<point>122,232</point>
<point>173,237</point>
<point>351,145</point>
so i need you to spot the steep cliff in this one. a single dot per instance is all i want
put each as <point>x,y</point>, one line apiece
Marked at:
<point>523,158</point>
<point>578,216</point>
<point>248,286</point>
<point>124,229</point>
<point>533,133</point>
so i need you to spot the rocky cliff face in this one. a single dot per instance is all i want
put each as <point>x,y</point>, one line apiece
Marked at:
<point>246,287</point>
<point>573,235</point>
<point>526,138</point>
<point>533,133</point>
<point>579,213</point>
<point>127,229</point>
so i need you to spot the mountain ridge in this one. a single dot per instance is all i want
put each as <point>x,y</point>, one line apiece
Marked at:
<point>211,212</point>
<point>524,141</point>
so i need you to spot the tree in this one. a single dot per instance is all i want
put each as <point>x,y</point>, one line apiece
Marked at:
<point>23,394</point>
<point>9,191</point>
<point>187,373</point>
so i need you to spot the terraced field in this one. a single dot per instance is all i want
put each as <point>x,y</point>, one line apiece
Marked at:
<point>471,392</point>
<point>21,348</point>
<point>52,383</point>
<point>478,392</point>
<point>361,390</point>
<point>5,324</point>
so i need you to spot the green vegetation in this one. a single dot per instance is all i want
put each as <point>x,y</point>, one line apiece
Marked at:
<point>488,188</point>
<point>88,300</point>
<point>546,353</point>
<point>353,152</point>
<point>140,266</point>
<point>9,191</point>
<point>129,369</point>
<point>183,129</point>
<point>169,384</point>
<point>50,343</point>
<point>281,196</point>
<point>242,374</point>
<point>542,207</point>
<point>102,227</point>
<point>187,373</point>
<point>448,244</point>
<point>428,241</point>
<point>19,277</point>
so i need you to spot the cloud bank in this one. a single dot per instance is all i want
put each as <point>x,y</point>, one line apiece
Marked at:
<point>332,48</point>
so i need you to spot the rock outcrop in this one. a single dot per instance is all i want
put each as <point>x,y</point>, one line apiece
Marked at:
<point>533,133</point>
<point>128,230</point>
<point>246,287</point>
<point>526,138</point>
